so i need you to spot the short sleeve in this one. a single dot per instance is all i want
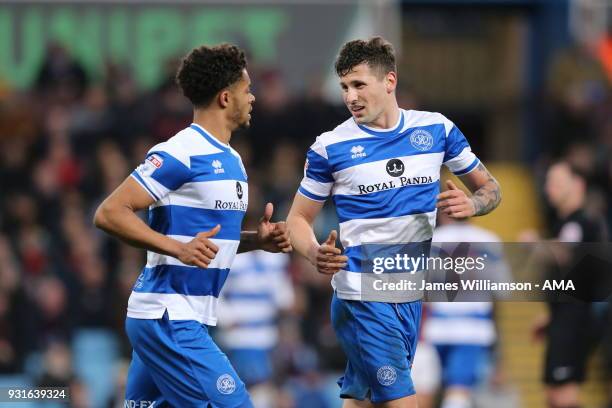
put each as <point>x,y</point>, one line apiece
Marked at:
<point>458,156</point>
<point>161,173</point>
<point>318,179</point>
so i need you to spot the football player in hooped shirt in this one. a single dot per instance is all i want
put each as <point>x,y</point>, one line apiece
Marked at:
<point>381,168</point>
<point>195,187</point>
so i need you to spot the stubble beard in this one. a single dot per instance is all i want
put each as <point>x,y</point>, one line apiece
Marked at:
<point>240,122</point>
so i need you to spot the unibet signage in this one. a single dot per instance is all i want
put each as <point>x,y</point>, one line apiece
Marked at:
<point>145,37</point>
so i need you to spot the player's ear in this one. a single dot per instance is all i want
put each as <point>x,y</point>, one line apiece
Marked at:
<point>391,81</point>
<point>224,98</point>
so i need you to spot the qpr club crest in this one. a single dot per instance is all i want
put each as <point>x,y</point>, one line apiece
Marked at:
<point>386,375</point>
<point>239,192</point>
<point>421,140</point>
<point>226,384</point>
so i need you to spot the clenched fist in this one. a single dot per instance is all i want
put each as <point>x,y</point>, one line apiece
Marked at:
<point>200,251</point>
<point>329,259</point>
<point>455,203</point>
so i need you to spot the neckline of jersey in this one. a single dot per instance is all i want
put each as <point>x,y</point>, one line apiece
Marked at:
<point>385,132</point>
<point>208,136</point>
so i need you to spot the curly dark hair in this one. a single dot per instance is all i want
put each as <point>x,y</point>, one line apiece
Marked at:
<point>377,52</point>
<point>207,70</point>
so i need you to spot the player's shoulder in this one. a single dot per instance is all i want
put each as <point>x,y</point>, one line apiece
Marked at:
<point>185,144</point>
<point>235,153</point>
<point>347,130</point>
<point>418,118</point>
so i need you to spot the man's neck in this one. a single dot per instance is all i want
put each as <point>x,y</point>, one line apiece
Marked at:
<point>569,208</point>
<point>214,123</point>
<point>387,119</point>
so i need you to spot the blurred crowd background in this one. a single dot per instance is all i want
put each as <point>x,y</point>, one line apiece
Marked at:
<point>527,81</point>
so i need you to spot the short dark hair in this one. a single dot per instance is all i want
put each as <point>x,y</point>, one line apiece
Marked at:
<point>574,170</point>
<point>377,52</point>
<point>207,70</point>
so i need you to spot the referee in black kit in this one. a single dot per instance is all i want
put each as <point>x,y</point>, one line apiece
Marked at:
<point>575,325</point>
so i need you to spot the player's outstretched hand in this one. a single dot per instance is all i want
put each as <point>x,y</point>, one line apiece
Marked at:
<point>200,251</point>
<point>455,203</point>
<point>273,236</point>
<point>329,258</point>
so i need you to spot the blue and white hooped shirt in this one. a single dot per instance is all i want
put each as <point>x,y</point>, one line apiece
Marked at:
<point>383,183</point>
<point>197,182</point>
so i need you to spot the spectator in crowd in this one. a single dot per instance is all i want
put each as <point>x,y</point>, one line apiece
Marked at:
<point>571,325</point>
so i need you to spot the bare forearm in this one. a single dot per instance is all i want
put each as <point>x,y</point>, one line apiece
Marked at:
<point>248,241</point>
<point>486,198</point>
<point>124,224</point>
<point>302,237</point>
<point>486,192</point>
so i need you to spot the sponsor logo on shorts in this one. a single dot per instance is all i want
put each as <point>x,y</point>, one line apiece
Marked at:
<point>386,375</point>
<point>226,384</point>
<point>139,404</point>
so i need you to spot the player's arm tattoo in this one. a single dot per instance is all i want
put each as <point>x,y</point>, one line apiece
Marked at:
<point>488,196</point>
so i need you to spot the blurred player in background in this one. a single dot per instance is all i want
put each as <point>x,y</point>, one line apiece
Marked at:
<point>257,291</point>
<point>462,333</point>
<point>195,187</point>
<point>570,329</point>
<point>382,168</point>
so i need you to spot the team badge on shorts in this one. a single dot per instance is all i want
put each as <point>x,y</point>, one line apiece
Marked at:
<point>226,384</point>
<point>386,375</point>
<point>421,140</point>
